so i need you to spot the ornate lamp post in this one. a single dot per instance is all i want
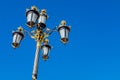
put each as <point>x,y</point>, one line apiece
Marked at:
<point>41,34</point>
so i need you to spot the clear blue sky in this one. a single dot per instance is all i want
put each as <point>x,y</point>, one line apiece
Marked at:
<point>93,52</point>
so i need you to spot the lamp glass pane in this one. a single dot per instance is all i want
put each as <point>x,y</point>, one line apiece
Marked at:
<point>17,38</point>
<point>34,17</point>
<point>42,19</point>
<point>45,50</point>
<point>66,33</point>
<point>29,17</point>
<point>62,32</point>
<point>14,37</point>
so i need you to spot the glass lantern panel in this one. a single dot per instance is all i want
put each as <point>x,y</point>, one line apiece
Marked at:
<point>29,17</point>
<point>45,50</point>
<point>42,19</point>
<point>17,38</point>
<point>14,37</point>
<point>62,32</point>
<point>34,17</point>
<point>66,32</point>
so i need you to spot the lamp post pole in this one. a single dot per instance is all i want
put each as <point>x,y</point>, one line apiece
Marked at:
<point>38,38</point>
<point>40,35</point>
<point>36,60</point>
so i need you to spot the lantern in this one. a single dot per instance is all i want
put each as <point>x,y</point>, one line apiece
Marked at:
<point>17,37</point>
<point>64,32</point>
<point>42,19</point>
<point>32,16</point>
<point>46,49</point>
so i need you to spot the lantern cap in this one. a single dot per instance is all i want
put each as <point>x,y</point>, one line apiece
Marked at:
<point>43,11</point>
<point>20,28</point>
<point>64,27</point>
<point>63,22</point>
<point>46,45</point>
<point>20,33</point>
<point>34,8</point>
<point>46,41</point>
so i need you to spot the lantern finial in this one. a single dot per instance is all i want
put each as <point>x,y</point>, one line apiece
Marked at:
<point>34,8</point>
<point>63,22</point>
<point>43,11</point>
<point>20,28</point>
<point>46,41</point>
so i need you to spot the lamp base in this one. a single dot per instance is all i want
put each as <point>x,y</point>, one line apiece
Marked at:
<point>41,26</point>
<point>45,57</point>
<point>34,76</point>
<point>64,40</point>
<point>15,45</point>
<point>30,24</point>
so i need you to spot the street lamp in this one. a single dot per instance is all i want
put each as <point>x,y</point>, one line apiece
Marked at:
<point>64,31</point>
<point>42,19</point>
<point>46,49</point>
<point>32,16</point>
<point>41,34</point>
<point>17,37</point>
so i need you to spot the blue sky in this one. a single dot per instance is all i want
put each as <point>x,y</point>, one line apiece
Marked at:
<point>93,52</point>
